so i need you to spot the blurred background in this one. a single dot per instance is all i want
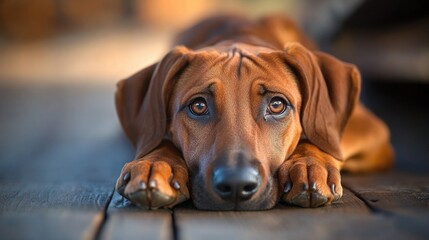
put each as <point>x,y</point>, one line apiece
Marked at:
<point>101,41</point>
<point>60,61</point>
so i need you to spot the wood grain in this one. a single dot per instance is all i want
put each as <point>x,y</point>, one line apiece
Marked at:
<point>393,191</point>
<point>61,149</point>
<point>349,219</point>
<point>126,221</point>
<point>282,222</point>
<point>49,224</point>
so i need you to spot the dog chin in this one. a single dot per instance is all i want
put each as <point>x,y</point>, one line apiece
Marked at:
<point>205,199</point>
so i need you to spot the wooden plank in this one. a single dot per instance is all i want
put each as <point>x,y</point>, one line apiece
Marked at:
<point>57,152</point>
<point>283,222</point>
<point>125,221</point>
<point>28,196</point>
<point>392,191</point>
<point>61,151</point>
<point>138,224</point>
<point>401,197</point>
<point>49,224</point>
<point>346,219</point>
<point>60,134</point>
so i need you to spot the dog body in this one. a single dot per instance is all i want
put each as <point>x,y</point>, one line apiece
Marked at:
<point>243,114</point>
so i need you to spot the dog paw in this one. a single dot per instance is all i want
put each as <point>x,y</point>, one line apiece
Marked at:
<point>308,182</point>
<point>153,184</point>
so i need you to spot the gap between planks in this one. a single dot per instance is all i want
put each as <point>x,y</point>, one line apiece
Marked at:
<point>104,217</point>
<point>373,209</point>
<point>174,226</point>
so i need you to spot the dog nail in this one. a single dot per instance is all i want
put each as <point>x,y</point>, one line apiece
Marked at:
<point>305,187</point>
<point>142,186</point>
<point>287,188</point>
<point>176,185</point>
<point>313,186</point>
<point>333,189</point>
<point>126,177</point>
<point>152,183</point>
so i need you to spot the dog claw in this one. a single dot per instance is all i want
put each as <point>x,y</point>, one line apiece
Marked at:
<point>287,188</point>
<point>305,187</point>
<point>333,189</point>
<point>152,183</point>
<point>176,185</point>
<point>142,186</point>
<point>126,177</point>
<point>313,186</point>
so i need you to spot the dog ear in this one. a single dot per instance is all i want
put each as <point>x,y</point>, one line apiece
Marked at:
<point>141,101</point>
<point>330,90</point>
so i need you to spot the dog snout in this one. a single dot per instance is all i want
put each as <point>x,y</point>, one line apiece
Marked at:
<point>237,179</point>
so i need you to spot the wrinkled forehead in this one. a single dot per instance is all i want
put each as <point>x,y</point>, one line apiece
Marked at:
<point>236,61</point>
<point>238,66</point>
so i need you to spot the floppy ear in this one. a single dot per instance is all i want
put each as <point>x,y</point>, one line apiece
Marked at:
<point>141,101</point>
<point>330,90</point>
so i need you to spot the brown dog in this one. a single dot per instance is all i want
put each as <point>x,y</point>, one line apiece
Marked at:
<point>243,114</point>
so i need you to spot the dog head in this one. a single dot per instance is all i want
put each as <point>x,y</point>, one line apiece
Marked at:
<point>236,113</point>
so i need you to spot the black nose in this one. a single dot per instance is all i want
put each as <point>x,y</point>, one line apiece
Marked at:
<point>236,184</point>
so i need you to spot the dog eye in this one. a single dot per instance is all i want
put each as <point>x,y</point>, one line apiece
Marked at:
<point>199,107</point>
<point>277,105</point>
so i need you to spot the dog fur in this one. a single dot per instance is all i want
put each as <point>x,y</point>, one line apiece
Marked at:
<point>242,153</point>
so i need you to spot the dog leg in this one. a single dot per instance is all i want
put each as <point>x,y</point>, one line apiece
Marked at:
<point>157,180</point>
<point>310,177</point>
<point>366,143</point>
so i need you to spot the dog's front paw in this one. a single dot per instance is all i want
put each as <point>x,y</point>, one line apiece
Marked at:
<point>309,182</point>
<point>153,184</point>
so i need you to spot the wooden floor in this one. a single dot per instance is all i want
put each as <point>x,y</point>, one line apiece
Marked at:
<point>61,150</point>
